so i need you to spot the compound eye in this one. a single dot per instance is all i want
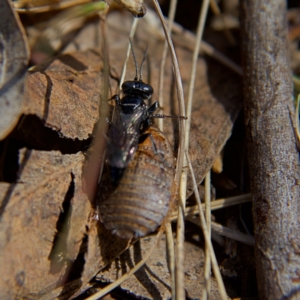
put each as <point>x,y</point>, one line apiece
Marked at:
<point>128,86</point>
<point>148,89</point>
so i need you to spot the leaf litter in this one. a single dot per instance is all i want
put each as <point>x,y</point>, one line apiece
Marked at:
<point>64,93</point>
<point>30,210</point>
<point>153,281</point>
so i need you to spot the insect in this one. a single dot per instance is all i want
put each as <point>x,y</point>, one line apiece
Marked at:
<point>131,115</point>
<point>131,118</point>
<point>135,196</point>
<point>141,200</point>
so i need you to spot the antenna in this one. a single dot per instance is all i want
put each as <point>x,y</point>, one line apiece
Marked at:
<point>142,64</point>
<point>135,62</point>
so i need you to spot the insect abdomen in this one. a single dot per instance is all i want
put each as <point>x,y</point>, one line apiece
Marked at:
<point>142,198</point>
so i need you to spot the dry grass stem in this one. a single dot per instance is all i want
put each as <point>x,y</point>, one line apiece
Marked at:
<point>180,293</point>
<point>168,231</point>
<point>171,16</point>
<point>183,182</point>
<point>179,88</point>
<point>217,204</point>
<point>207,265</point>
<point>171,256</point>
<point>214,262</point>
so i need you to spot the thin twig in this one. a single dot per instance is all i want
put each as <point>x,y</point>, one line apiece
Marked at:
<point>228,232</point>
<point>271,146</point>
<point>180,156</point>
<point>180,291</point>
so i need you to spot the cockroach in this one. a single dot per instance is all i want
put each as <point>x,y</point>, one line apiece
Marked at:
<point>135,197</point>
<point>141,200</point>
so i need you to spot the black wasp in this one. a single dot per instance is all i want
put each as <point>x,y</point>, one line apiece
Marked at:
<point>131,119</point>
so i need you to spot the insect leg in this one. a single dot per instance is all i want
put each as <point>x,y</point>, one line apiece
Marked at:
<point>165,116</point>
<point>153,108</point>
<point>116,98</point>
<point>109,122</point>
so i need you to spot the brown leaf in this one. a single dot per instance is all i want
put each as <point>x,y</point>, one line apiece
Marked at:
<point>13,66</point>
<point>153,280</point>
<point>65,93</point>
<point>30,210</point>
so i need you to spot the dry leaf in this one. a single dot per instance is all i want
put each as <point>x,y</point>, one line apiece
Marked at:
<point>153,281</point>
<point>30,210</point>
<point>65,93</point>
<point>13,65</point>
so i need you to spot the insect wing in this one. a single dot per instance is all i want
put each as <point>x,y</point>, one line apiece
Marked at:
<point>143,196</point>
<point>123,137</point>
